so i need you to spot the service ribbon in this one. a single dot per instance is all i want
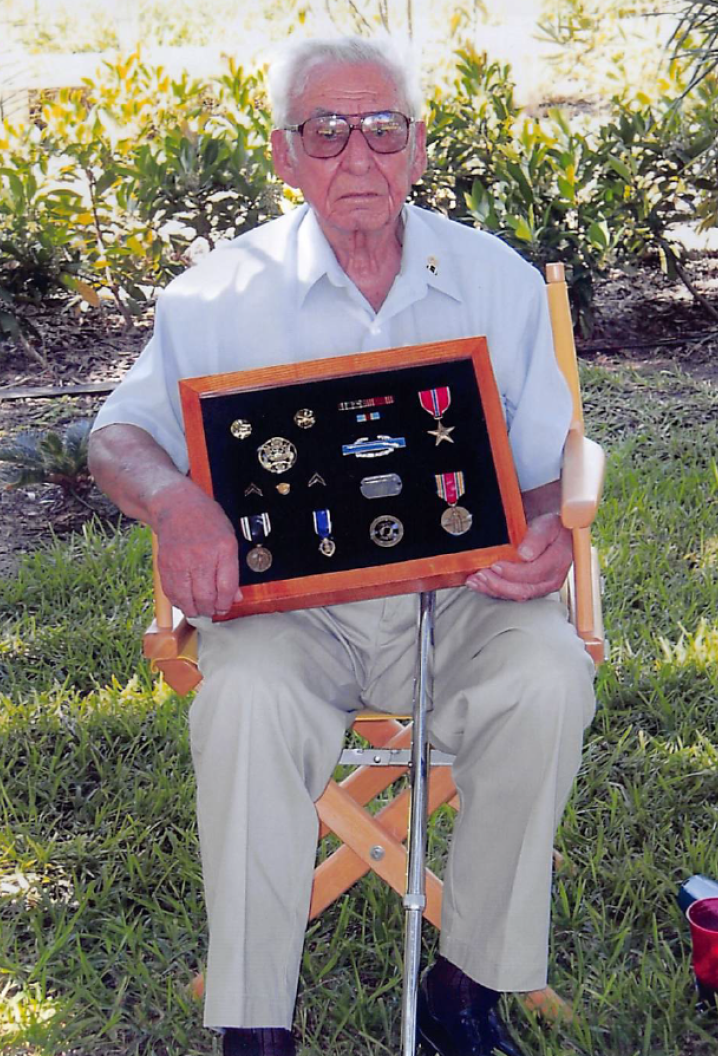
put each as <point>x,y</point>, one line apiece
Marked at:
<point>436,401</point>
<point>255,527</point>
<point>322,523</point>
<point>450,486</point>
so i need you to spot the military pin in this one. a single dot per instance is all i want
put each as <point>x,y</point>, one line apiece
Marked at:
<point>323,527</point>
<point>386,530</point>
<point>277,455</point>
<point>240,429</point>
<point>284,488</point>
<point>253,490</point>
<point>450,487</point>
<point>304,418</point>
<point>255,528</point>
<point>316,479</point>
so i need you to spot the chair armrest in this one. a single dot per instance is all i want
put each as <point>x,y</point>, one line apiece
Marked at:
<point>582,475</point>
<point>167,643</point>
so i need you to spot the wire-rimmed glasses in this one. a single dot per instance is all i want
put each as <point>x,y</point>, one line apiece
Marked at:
<point>326,136</point>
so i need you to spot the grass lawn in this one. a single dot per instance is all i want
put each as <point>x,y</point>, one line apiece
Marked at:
<point>101,916</point>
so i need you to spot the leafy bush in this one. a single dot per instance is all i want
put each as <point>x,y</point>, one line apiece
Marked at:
<point>117,184</point>
<point>119,160</point>
<point>602,195</point>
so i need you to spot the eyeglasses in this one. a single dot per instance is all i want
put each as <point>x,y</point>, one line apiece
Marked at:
<point>326,136</point>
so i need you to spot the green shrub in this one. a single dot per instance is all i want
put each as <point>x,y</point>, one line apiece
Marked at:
<point>602,195</point>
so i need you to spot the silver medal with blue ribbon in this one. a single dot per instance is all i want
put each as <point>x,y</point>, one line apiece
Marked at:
<point>323,527</point>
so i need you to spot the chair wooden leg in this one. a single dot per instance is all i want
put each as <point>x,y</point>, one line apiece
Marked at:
<point>360,832</point>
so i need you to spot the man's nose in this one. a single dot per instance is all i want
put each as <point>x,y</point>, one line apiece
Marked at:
<point>357,153</point>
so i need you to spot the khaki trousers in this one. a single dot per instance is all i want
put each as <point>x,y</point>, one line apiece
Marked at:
<point>513,693</point>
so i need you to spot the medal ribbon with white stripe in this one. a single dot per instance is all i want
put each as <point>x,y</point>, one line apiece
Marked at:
<point>436,401</point>
<point>450,486</point>
<point>323,527</point>
<point>256,527</point>
<point>322,523</point>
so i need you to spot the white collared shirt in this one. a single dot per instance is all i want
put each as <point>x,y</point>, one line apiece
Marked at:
<point>277,294</point>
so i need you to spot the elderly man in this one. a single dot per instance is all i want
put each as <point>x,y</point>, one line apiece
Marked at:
<point>356,269</point>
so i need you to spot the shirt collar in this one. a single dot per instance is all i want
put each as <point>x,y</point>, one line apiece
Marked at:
<point>315,257</point>
<point>425,258</point>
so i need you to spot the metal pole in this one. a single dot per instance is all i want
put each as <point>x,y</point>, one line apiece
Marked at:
<point>415,898</point>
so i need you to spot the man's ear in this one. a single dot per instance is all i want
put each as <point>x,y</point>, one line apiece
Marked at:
<point>419,161</point>
<point>282,159</point>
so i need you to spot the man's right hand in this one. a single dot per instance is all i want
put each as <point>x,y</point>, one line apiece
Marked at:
<point>197,546</point>
<point>197,552</point>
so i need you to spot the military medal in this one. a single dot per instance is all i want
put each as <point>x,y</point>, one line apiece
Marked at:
<point>450,487</point>
<point>255,528</point>
<point>277,455</point>
<point>240,429</point>
<point>436,402</point>
<point>386,530</point>
<point>370,416</point>
<point>323,527</point>
<point>381,487</point>
<point>304,418</point>
<point>371,401</point>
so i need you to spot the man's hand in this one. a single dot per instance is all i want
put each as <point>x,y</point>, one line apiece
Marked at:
<point>197,545</point>
<point>197,553</point>
<point>546,555</point>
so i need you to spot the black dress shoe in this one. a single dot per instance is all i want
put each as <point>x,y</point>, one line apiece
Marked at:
<point>467,1031</point>
<point>258,1041</point>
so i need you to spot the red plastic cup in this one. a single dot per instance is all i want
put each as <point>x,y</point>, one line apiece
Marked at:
<point>703,919</point>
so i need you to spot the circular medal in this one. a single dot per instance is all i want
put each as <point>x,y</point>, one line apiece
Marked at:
<point>456,520</point>
<point>304,418</point>
<point>240,429</point>
<point>277,455</point>
<point>386,530</point>
<point>327,547</point>
<point>259,559</point>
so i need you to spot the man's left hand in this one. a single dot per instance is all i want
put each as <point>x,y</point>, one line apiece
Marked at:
<point>546,556</point>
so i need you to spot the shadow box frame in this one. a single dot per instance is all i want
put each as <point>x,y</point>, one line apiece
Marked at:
<point>400,576</point>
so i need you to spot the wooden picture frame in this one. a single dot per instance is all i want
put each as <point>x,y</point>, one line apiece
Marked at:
<point>337,392</point>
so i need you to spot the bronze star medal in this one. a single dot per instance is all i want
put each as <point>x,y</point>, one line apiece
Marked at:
<point>436,402</point>
<point>442,432</point>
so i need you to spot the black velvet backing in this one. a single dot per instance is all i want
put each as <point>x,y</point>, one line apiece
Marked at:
<point>292,540</point>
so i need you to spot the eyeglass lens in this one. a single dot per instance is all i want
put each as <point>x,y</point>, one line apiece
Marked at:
<point>326,136</point>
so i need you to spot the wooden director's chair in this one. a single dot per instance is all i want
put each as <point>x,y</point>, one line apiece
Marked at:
<point>376,842</point>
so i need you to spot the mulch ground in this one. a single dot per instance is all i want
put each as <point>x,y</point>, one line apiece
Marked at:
<point>642,319</point>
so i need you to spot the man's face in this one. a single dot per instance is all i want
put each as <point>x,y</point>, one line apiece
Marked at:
<point>358,190</point>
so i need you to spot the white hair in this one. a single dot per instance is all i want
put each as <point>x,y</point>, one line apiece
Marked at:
<point>290,71</point>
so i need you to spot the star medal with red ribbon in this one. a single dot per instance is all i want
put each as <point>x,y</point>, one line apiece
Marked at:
<point>436,402</point>
<point>255,528</point>
<point>450,487</point>
<point>323,527</point>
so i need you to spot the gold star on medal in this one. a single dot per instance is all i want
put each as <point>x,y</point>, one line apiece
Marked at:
<point>442,432</point>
